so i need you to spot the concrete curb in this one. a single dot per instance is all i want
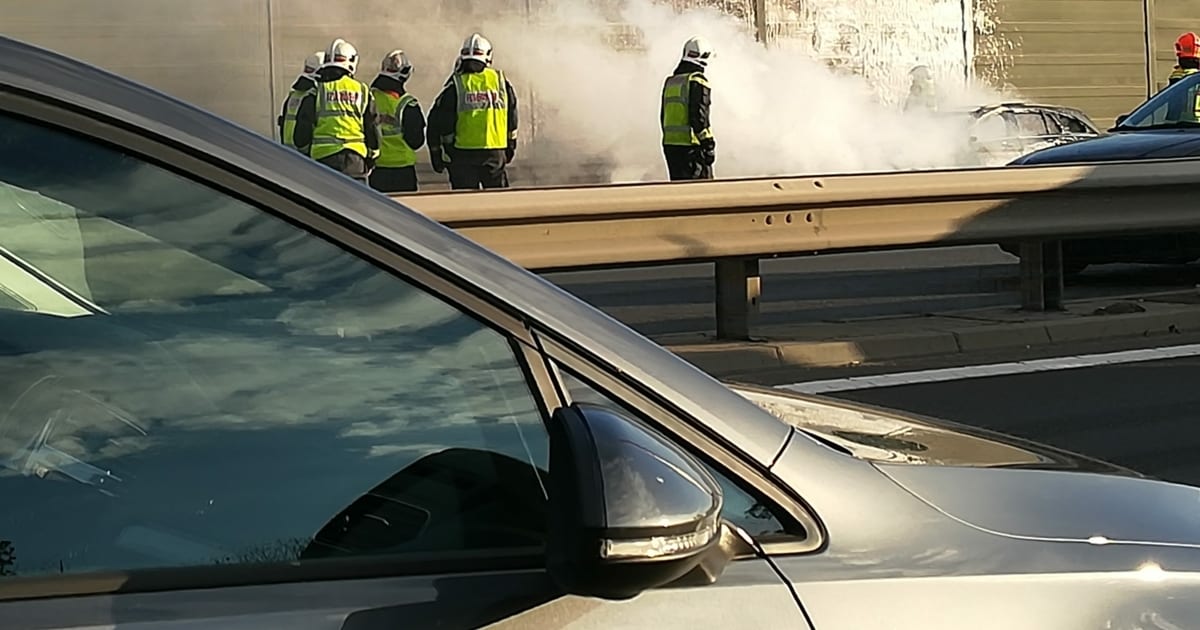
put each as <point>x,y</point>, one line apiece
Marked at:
<point>741,357</point>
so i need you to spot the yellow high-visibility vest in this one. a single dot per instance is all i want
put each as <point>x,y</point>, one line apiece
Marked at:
<point>341,105</point>
<point>482,110</point>
<point>290,109</point>
<point>676,128</point>
<point>1178,73</point>
<point>394,151</point>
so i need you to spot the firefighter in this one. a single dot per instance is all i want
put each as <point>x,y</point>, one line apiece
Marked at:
<point>443,152</point>
<point>401,125</point>
<point>474,120</point>
<point>1187,55</point>
<point>304,85</point>
<point>338,121</point>
<point>922,91</point>
<point>687,138</point>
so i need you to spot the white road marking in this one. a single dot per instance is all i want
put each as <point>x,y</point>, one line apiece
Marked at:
<point>995,369</point>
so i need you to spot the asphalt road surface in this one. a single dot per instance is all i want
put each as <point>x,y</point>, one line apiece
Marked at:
<point>1144,415</point>
<point>834,287</point>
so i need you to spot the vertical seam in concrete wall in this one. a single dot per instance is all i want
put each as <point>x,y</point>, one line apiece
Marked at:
<point>1149,27</point>
<point>968,32</point>
<point>760,22</point>
<point>271,69</point>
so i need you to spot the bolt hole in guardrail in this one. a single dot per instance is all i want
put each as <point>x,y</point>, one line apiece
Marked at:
<point>787,218</point>
<point>778,186</point>
<point>770,219</point>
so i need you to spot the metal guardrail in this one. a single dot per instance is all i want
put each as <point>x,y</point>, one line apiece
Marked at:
<point>735,223</point>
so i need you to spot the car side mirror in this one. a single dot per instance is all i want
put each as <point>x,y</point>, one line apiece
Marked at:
<point>1120,119</point>
<point>629,511</point>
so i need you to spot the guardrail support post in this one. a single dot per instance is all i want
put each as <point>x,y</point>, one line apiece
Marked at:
<point>1041,276</point>
<point>739,287</point>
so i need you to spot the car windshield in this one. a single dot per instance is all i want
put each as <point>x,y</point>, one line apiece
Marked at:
<point>1175,107</point>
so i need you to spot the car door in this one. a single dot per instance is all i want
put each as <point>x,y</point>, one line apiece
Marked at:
<point>996,137</point>
<point>260,428</point>
<point>749,593</point>
<point>1035,131</point>
<point>269,421</point>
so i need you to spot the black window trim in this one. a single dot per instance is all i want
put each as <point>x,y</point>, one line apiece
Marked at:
<point>321,222</point>
<point>1053,126</point>
<point>235,575</point>
<point>675,425</point>
<point>543,384</point>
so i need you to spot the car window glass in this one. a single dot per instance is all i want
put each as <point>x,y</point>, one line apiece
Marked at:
<point>1071,124</point>
<point>741,507</point>
<point>1054,125</point>
<point>992,128</point>
<point>1032,124</point>
<point>192,381</point>
<point>1177,104</point>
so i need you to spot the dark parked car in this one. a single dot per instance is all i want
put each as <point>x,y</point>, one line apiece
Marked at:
<point>1166,126</point>
<point>998,133</point>
<point>241,391</point>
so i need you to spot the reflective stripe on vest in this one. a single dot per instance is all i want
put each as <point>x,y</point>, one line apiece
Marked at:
<point>291,108</point>
<point>394,152</point>
<point>1178,73</point>
<point>482,110</point>
<point>341,105</point>
<point>676,127</point>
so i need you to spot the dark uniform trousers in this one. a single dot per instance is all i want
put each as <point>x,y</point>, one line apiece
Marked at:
<point>394,179</point>
<point>348,163</point>
<point>685,163</point>
<point>478,168</point>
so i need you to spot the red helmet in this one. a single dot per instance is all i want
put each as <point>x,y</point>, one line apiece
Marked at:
<point>1187,46</point>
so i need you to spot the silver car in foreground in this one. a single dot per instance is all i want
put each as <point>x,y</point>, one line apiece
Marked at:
<point>240,391</point>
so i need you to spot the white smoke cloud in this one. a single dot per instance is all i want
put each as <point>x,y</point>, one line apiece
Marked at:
<point>775,111</point>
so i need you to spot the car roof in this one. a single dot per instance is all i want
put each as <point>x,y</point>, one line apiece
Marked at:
<point>75,84</point>
<point>1030,105</point>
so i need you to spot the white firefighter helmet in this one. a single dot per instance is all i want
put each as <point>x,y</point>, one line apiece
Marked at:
<point>312,64</point>
<point>698,50</point>
<point>341,54</point>
<point>921,75</point>
<point>476,47</point>
<point>396,65</point>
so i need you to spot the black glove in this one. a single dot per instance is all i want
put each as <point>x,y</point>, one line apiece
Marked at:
<point>708,152</point>
<point>435,157</point>
<point>508,155</point>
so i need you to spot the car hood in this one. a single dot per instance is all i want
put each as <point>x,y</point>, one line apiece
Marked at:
<point>1123,145</point>
<point>997,483</point>
<point>1049,505</point>
<point>888,436</point>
